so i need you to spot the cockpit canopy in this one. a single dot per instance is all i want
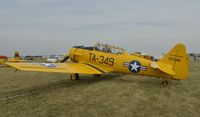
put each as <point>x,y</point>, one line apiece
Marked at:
<point>104,48</point>
<point>109,48</point>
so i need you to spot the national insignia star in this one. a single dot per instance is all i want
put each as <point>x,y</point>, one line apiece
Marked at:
<point>134,67</point>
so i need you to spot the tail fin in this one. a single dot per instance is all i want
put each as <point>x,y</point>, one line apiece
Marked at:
<point>16,54</point>
<point>178,58</point>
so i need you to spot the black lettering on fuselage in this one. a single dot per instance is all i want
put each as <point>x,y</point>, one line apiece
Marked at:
<point>90,56</point>
<point>94,58</point>
<point>109,61</point>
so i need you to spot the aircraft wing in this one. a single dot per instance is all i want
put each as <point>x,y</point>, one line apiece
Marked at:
<point>163,67</point>
<point>83,68</point>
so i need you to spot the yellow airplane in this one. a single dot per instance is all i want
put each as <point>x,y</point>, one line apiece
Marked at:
<point>103,58</point>
<point>4,59</point>
<point>16,58</point>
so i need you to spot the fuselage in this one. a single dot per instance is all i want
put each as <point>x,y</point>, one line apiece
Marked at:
<point>115,63</point>
<point>13,60</point>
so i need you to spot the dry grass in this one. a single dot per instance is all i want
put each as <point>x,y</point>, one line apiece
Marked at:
<point>49,94</point>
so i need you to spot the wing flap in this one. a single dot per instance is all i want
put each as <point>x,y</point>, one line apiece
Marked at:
<point>56,67</point>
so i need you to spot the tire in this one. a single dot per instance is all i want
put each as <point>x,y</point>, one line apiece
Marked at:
<point>74,77</point>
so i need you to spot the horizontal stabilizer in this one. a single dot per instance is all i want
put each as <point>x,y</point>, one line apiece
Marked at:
<point>163,67</point>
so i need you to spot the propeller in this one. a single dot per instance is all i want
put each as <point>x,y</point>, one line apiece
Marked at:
<point>65,58</point>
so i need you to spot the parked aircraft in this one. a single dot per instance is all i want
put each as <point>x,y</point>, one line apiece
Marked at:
<point>16,58</point>
<point>103,58</point>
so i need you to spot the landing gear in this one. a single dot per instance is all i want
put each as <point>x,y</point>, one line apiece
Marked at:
<point>97,75</point>
<point>74,77</point>
<point>165,82</point>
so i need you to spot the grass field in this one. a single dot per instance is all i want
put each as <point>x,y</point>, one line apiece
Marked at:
<point>30,94</point>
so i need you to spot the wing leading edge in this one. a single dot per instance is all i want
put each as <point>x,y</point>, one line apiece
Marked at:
<point>82,68</point>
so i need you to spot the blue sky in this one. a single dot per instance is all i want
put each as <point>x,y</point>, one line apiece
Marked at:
<point>53,26</point>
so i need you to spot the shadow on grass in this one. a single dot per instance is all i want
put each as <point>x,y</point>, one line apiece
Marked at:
<point>146,82</point>
<point>45,88</point>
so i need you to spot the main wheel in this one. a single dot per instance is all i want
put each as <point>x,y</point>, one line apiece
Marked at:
<point>74,77</point>
<point>165,82</point>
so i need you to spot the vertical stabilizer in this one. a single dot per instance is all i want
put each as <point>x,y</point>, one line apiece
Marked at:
<point>178,58</point>
<point>16,54</point>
